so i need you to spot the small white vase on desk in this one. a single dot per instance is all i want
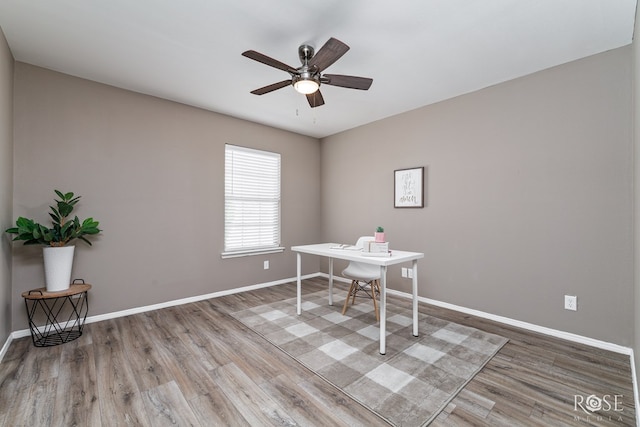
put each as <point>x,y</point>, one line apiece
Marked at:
<point>58,262</point>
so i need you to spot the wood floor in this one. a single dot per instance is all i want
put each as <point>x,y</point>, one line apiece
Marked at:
<point>196,365</point>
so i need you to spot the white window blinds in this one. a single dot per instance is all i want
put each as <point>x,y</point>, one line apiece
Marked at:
<point>252,201</point>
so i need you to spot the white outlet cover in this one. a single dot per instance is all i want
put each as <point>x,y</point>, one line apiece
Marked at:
<point>571,302</point>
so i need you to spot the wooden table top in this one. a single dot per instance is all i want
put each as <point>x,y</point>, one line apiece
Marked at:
<point>41,293</point>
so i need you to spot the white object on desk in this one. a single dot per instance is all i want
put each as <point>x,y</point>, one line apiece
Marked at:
<point>376,247</point>
<point>344,247</point>
<point>373,248</point>
<point>397,257</point>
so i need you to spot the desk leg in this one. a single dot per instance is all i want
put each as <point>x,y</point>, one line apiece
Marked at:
<point>330,281</point>
<point>383,309</point>
<point>298,285</point>
<point>415,297</point>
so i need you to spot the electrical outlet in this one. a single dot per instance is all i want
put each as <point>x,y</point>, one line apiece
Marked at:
<point>266,265</point>
<point>404,272</point>
<point>410,273</point>
<point>571,302</point>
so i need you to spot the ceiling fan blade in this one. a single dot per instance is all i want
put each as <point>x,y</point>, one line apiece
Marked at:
<point>257,56</point>
<point>351,82</point>
<point>315,99</point>
<point>271,87</point>
<point>332,50</point>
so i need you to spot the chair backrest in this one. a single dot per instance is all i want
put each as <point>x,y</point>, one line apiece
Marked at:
<point>360,269</point>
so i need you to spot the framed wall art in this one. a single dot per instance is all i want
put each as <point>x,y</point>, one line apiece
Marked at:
<point>409,188</point>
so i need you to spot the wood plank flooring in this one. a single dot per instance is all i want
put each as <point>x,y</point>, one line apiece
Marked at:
<point>196,365</point>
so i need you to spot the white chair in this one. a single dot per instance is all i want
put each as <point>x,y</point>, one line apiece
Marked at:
<point>362,275</point>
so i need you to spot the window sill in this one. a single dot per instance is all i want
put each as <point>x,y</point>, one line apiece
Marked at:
<point>237,254</point>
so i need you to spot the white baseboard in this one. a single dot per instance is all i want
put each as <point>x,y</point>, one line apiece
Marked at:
<point>524,325</point>
<point>5,347</point>
<point>636,395</point>
<point>512,322</point>
<point>508,321</point>
<point>143,309</point>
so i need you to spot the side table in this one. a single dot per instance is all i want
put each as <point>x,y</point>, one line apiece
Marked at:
<point>71,305</point>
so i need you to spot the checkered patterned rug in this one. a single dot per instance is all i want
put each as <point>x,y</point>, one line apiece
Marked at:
<point>407,386</point>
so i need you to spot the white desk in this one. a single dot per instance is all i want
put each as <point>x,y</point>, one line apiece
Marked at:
<point>397,257</point>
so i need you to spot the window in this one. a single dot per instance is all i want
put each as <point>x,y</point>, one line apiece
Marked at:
<point>251,202</point>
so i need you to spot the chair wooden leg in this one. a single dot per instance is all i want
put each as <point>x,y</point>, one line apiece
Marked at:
<point>355,285</point>
<point>374,285</point>
<point>346,300</point>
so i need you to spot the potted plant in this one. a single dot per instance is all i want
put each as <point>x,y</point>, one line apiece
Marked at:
<point>57,251</point>
<point>379,235</point>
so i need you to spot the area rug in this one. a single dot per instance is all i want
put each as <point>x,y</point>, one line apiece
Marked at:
<point>409,385</point>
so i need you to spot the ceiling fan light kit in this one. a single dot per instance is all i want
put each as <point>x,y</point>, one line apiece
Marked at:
<point>306,86</point>
<point>307,78</point>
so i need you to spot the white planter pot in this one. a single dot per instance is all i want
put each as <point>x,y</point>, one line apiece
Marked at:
<point>58,262</point>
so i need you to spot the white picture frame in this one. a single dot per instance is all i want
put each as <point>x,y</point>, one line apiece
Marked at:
<point>409,188</point>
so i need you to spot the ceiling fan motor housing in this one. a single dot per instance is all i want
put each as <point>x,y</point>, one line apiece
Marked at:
<point>305,53</point>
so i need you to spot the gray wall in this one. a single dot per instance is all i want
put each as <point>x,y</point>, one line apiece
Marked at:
<point>152,172</point>
<point>6,189</point>
<point>529,196</point>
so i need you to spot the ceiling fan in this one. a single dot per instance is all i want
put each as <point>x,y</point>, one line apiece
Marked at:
<point>307,78</point>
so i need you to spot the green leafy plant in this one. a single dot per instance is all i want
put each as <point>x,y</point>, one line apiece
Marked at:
<point>63,230</point>
<point>379,230</point>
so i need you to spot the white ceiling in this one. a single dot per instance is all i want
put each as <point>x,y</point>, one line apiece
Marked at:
<point>417,51</point>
